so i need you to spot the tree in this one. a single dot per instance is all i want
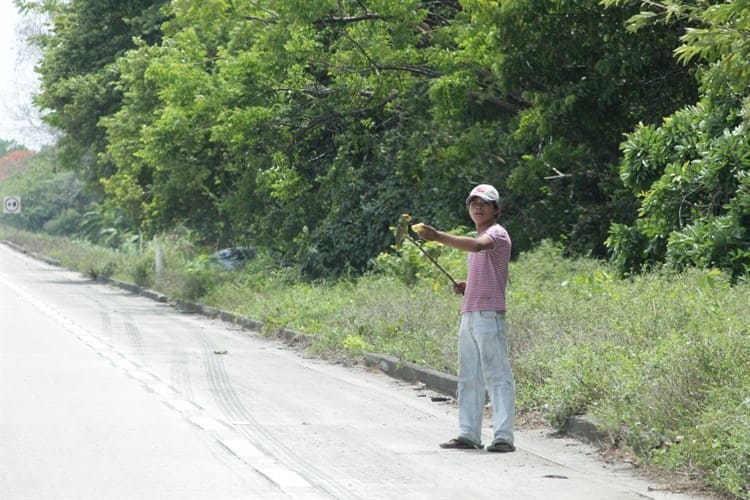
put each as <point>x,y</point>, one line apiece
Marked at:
<point>692,171</point>
<point>578,80</point>
<point>281,124</point>
<point>308,127</point>
<point>78,69</point>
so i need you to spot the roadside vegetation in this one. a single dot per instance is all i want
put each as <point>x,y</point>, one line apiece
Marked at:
<point>659,360</point>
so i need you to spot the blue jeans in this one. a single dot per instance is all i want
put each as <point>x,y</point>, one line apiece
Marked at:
<point>483,363</point>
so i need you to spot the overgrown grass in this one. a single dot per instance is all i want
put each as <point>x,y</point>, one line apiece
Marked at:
<point>660,360</point>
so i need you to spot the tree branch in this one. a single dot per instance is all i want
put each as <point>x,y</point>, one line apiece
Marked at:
<point>347,19</point>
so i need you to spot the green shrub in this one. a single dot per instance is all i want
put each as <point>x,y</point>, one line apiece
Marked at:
<point>65,223</point>
<point>410,264</point>
<point>141,268</point>
<point>718,447</point>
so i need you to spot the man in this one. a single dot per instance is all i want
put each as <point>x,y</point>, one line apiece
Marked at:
<point>482,346</point>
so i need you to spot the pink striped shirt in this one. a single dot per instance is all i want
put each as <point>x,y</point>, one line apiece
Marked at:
<point>488,274</point>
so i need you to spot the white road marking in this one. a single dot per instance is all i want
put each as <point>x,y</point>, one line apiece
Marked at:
<point>283,476</point>
<point>182,405</point>
<point>208,423</point>
<point>242,448</point>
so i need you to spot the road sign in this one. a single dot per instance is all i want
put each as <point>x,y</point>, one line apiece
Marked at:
<point>12,205</point>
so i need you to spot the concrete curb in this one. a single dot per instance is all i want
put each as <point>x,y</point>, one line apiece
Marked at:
<point>584,428</point>
<point>434,380</point>
<point>130,287</point>
<point>580,427</point>
<point>43,258</point>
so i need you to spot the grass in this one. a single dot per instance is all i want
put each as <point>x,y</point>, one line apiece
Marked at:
<point>659,360</point>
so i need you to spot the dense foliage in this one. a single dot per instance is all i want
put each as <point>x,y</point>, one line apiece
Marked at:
<point>308,127</point>
<point>78,69</point>
<point>692,171</point>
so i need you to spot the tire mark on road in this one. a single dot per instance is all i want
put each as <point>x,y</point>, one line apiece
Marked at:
<point>106,322</point>
<point>230,403</point>
<point>134,336</point>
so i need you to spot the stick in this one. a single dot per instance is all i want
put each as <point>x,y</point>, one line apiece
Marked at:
<point>434,261</point>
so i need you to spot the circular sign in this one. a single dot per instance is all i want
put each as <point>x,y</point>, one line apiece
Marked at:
<point>11,204</point>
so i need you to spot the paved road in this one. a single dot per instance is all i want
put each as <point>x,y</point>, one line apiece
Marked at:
<point>107,395</point>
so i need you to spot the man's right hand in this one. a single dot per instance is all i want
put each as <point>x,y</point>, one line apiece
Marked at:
<point>425,232</point>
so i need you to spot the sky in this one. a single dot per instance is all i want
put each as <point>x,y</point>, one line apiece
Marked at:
<point>19,121</point>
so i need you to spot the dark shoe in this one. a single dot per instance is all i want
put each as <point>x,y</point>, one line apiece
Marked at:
<point>501,446</point>
<point>461,443</point>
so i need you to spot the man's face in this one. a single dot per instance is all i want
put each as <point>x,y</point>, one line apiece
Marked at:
<point>481,211</point>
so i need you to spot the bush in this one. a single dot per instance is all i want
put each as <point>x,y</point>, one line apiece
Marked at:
<point>692,177</point>
<point>410,265</point>
<point>142,268</point>
<point>718,447</point>
<point>65,223</point>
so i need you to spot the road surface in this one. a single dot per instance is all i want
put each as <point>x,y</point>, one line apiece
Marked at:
<point>108,395</point>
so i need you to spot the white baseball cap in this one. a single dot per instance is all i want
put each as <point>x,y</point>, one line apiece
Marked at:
<point>485,192</point>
